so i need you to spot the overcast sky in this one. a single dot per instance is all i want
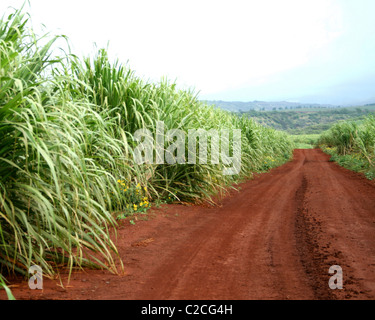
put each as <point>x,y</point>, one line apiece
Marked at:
<point>297,50</point>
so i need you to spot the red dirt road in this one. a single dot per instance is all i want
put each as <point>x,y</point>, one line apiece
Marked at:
<point>275,239</point>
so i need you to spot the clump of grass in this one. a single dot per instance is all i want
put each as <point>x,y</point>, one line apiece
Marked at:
<point>352,145</point>
<point>6,288</point>
<point>52,157</point>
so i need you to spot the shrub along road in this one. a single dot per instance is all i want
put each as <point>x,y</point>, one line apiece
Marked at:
<point>275,239</point>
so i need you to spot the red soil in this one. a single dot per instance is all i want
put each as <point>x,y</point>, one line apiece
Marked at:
<point>275,239</point>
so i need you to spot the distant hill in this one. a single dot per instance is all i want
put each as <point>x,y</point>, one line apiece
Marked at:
<point>239,106</point>
<point>303,118</point>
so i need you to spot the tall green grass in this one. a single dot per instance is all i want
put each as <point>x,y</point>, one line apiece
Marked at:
<point>52,179</point>
<point>352,145</point>
<point>66,151</point>
<point>117,92</point>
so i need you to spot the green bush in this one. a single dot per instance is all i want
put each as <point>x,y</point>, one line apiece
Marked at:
<point>352,145</point>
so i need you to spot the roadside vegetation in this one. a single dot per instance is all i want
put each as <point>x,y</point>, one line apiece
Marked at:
<point>67,170</point>
<point>352,145</point>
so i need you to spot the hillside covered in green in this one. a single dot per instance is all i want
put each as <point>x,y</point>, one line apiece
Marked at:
<point>308,120</point>
<point>242,106</point>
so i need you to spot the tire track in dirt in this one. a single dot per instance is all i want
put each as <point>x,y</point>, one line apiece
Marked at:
<point>339,216</point>
<point>241,258</point>
<point>312,257</point>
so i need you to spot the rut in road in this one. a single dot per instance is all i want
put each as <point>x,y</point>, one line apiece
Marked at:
<point>275,239</point>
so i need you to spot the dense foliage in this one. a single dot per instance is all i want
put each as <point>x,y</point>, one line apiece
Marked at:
<point>66,151</point>
<point>352,145</point>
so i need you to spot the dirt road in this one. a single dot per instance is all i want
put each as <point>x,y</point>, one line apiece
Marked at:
<point>275,239</point>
